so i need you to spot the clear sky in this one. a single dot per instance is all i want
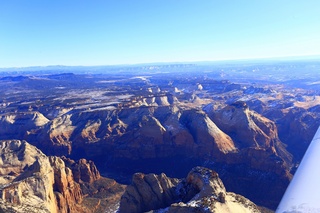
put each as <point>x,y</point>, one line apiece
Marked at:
<point>106,32</point>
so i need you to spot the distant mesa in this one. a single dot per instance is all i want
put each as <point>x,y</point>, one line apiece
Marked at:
<point>62,76</point>
<point>15,78</point>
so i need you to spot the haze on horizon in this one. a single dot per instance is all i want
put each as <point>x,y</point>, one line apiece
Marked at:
<point>79,32</point>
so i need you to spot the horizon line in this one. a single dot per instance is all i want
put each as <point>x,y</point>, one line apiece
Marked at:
<point>175,62</point>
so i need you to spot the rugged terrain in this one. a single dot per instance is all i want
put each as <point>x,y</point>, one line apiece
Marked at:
<point>200,191</point>
<point>33,182</point>
<point>250,123</point>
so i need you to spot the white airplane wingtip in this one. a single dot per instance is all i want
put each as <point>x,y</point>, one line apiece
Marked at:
<point>303,192</point>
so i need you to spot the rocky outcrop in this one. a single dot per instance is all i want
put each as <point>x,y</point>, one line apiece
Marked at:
<point>261,156</point>
<point>32,182</point>
<point>83,170</point>
<point>16,155</point>
<point>206,134</point>
<point>201,191</point>
<point>249,129</point>
<point>68,193</point>
<point>28,187</point>
<point>148,192</point>
<point>20,124</point>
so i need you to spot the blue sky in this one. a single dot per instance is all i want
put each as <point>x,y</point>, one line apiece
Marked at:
<point>106,32</point>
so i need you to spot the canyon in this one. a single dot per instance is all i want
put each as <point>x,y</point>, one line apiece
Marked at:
<point>136,125</point>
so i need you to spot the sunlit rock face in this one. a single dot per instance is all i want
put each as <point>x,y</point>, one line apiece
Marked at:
<point>43,184</point>
<point>18,124</point>
<point>206,133</point>
<point>27,179</point>
<point>249,129</point>
<point>32,182</point>
<point>201,191</point>
<point>83,170</point>
<point>148,192</point>
<point>68,192</point>
<point>133,133</point>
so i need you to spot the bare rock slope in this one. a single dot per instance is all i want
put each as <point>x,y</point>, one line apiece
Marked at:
<point>249,129</point>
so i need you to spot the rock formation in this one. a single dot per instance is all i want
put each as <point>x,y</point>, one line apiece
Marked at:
<point>206,134</point>
<point>149,130</point>
<point>27,179</point>
<point>18,124</point>
<point>33,182</point>
<point>142,137</point>
<point>67,192</point>
<point>83,170</point>
<point>148,192</point>
<point>201,191</point>
<point>249,129</point>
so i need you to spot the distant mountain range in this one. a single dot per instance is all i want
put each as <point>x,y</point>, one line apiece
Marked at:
<point>98,68</point>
